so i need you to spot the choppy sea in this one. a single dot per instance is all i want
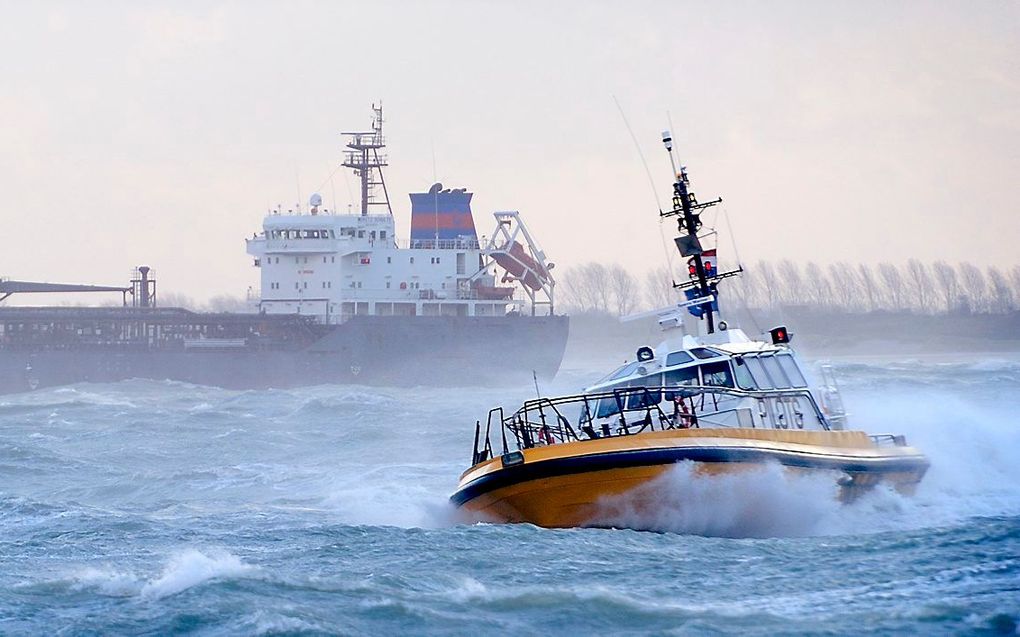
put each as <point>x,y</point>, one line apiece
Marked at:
<point>155,508</point>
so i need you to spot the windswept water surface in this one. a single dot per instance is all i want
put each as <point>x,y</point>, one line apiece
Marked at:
<point>150,507</point>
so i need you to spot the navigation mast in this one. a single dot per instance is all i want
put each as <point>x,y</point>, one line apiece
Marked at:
<point>363,156</point>
<point>687,210</point>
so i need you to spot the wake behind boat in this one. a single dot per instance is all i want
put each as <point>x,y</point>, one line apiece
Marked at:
<point>720,400</point>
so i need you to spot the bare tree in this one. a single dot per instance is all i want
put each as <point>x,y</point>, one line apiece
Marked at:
<point>769,281</point>
<point>846,289</point>
<point>792,290</point>
<point>945,278</point>
<point>869,286</point>
<point>172,299</point>
<point>228,303</point>
<point>921,284</point>
<point>974,287</point>
<point>893,281</point>
<point>623,289</point>
<point>818,287</point>
<point>1000,297</point>
<point>659,290</point>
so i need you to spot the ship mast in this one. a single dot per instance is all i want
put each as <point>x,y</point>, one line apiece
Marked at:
<point>687,210</point>
<point>363,156</point>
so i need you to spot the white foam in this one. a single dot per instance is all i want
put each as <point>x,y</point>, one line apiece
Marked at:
<point>190,568</point>
<point>761,501</point>
<point>107,581</point>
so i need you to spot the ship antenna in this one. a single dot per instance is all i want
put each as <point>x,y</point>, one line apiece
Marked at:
<point>651,182</point>
<point>535,377</point>
<point>687,210</point>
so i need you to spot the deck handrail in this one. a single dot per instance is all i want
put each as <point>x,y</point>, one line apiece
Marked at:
<point>531,424</point>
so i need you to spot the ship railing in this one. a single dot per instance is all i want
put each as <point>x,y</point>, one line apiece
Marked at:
<point>544,421</point>
<point>441,244</point>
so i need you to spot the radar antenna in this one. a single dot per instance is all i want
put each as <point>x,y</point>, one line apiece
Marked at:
<point>363,156</point>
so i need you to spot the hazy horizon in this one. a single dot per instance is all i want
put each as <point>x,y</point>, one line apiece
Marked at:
<point>162,134</point>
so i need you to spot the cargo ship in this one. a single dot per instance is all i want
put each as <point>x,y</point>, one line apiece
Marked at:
<point>342,300</point>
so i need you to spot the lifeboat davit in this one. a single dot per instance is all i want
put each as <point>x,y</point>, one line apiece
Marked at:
<point>525,269</point>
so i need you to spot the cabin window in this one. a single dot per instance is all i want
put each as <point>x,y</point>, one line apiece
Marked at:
<point>389,259</point>
<point>717,374</point>
<point>677,378</point>
<point>761,377</point>
<point>789,366</point>
<point>412,259</point>
<point>685,376</point>
<point>607,407</point>
<point>361,234</point>
<point>323,259</point>
<point>704,353</point>
<point>742,374</point>
<point>332,259</point>
<point>640,399</point>
<point>382,234</point>
<point>387,285</point>
<point>626,370</point>
<point>775,372</point>
<point>678,358</point>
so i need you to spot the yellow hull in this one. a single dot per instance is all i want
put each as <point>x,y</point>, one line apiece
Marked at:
<point>568,485</point>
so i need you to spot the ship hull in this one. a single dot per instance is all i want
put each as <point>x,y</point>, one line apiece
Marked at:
<point>589,483</point>
<point>389,350</point>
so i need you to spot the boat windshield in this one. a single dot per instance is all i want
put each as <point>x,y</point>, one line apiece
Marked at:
<point>626,370</point>
<point>761,377</point>
<point>678,358</point>
<point>639,400</point>
<point>717,374</point>
<point>776,372</point>
<point>789,366</point>
<point>742,374</point>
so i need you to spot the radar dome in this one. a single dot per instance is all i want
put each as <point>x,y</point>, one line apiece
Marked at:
<point>315,200</point>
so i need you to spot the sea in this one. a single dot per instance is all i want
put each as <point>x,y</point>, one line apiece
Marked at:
<point>157,508</point>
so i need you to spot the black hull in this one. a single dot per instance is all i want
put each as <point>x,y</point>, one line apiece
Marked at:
<point>383,350</point>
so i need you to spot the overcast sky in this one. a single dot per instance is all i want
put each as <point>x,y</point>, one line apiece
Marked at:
<point>161,133</point>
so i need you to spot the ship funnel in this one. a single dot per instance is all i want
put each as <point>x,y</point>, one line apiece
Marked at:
<point>442,216</point>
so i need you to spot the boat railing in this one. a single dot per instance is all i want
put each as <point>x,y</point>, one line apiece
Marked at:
<point>889,440</point>
<point>544,421</point>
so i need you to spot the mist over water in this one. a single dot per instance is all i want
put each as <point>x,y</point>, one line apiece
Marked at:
<point>157,507</point>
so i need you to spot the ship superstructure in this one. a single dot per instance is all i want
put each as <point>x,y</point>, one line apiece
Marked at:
<point>336,266</point>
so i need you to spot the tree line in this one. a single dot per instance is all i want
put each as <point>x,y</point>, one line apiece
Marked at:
<point>915,286</point>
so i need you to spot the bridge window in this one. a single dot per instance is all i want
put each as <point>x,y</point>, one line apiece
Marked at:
<point>775,372</point>
<point>678,358</point>
<point>626,370</point>
<point>789,365</point>
<point>703,353</point>
<point>653,395</point>
<point>761,377</point>
<point>685,376</point>
<point>717,374</point>
<point>742,374</point>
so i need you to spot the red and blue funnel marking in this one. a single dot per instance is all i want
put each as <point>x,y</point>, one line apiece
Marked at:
<point>441,214</point>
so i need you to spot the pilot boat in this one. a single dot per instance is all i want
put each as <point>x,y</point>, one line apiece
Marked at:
<point>714,398</point>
